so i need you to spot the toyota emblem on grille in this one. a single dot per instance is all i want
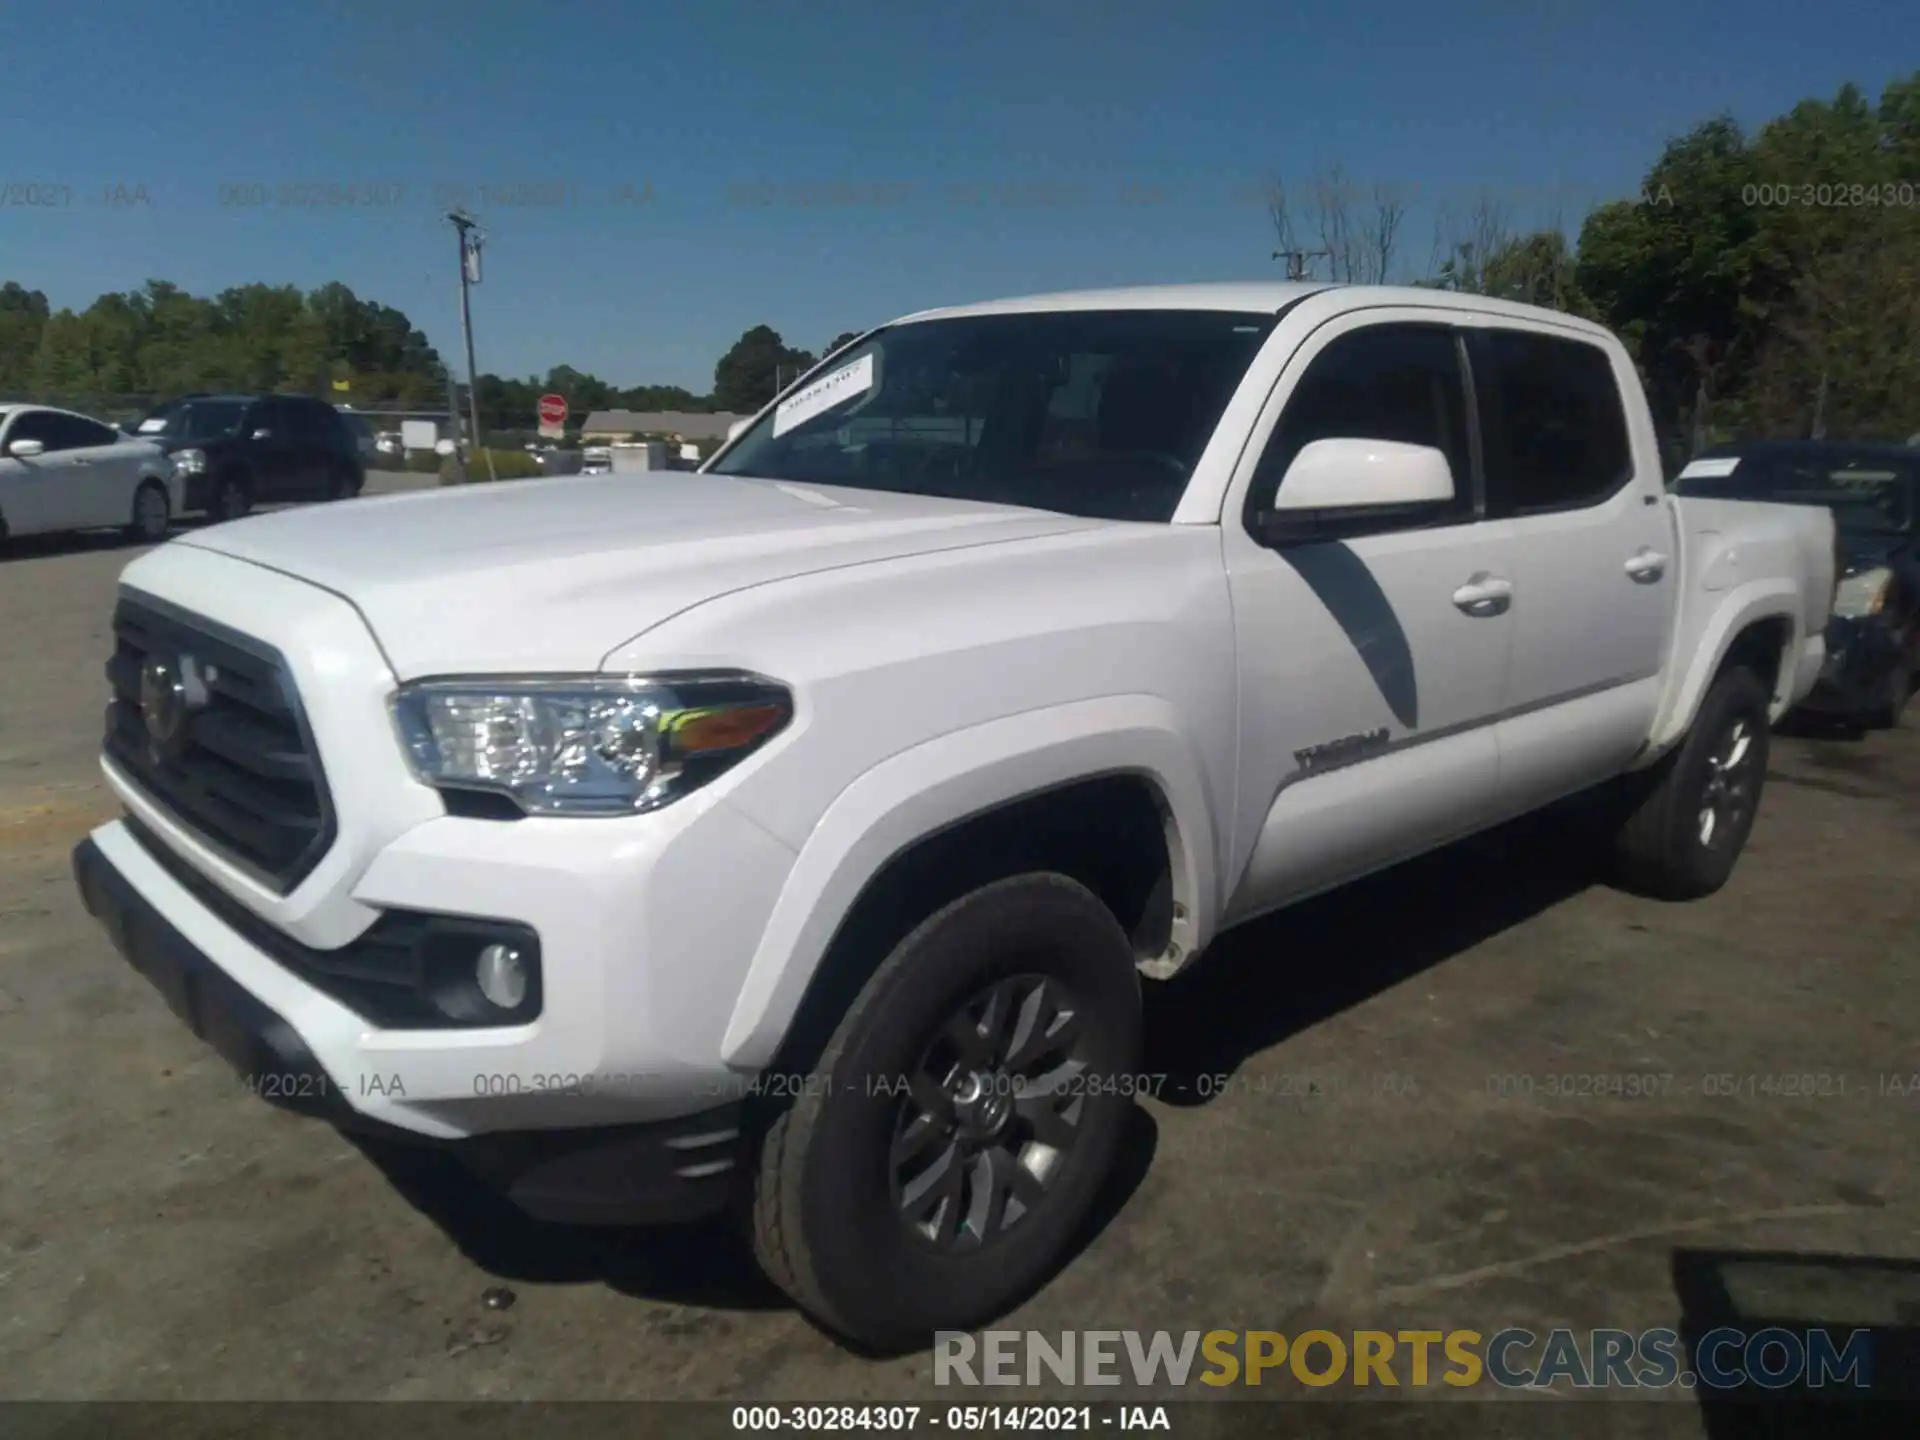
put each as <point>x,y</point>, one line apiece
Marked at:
<point>170,691</point>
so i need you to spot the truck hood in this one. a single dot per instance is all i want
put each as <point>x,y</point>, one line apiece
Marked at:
<point>555,575</point>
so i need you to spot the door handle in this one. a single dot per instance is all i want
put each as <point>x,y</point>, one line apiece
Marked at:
<point>1484,595</point>
<point>1645,566</point>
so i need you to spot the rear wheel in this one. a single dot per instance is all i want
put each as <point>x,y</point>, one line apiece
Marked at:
<point>1694,810</point>
<point>947,1147</point>
<point>151,514</point>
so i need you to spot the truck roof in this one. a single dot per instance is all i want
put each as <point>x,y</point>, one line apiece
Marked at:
<point>1251,297</point>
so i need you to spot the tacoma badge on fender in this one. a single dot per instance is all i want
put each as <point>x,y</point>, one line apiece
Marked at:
<point>1347,747</point>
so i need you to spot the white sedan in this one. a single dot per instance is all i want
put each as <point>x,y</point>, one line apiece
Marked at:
<point>62,471</point>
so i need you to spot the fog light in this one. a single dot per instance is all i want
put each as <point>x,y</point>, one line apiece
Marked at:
<point>501,976</point>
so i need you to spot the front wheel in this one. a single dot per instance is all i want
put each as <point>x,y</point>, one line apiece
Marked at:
<point>1892,702</point>
<point>151,514</point>
<point>1695,809</point>
<point>231,499</point>
<point>941,1156</point>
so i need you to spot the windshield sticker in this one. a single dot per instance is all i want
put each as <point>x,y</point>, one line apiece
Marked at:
<point>1707,469</point>
<point>153,425</point>
<point>823,394</point>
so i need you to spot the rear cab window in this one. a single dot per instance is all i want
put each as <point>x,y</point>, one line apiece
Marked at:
<point>1554,422</point>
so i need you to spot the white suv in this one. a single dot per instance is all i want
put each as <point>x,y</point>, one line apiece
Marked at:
<point>797,831</point>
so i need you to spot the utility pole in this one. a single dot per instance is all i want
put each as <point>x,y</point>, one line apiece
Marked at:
<point>453,419</point>
<point>1297,261</point>
<point>465,226</point>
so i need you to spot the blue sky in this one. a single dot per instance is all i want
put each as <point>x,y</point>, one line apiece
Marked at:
<point>656,178</point>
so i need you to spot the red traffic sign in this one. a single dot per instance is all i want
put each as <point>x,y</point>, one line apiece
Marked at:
<point>553,409</point>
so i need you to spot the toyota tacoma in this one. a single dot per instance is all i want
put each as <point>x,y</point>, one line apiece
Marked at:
<point>792,836</point>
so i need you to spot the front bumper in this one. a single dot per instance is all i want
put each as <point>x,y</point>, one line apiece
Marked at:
<point>196,490</point>
<point>647,925</point>
<point>660,1171</point>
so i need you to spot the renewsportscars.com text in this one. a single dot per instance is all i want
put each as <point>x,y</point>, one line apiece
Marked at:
<point>1513,1359</point>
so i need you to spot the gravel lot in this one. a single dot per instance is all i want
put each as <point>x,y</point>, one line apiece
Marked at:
<point>163,1235</point>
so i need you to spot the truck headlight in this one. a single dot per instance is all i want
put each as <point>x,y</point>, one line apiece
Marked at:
<point>189,462</point>
<point>1863,594</point>
<point>591,745</point>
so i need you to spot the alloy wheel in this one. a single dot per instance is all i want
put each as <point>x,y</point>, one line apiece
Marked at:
<point>991,1113</point>
<point>150,513</point>
<point>1728,794</point>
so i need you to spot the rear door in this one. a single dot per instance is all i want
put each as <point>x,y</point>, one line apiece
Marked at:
<point>304,445</point>
<point>1371,676</point>
<point>1593,551</point>
<point>336,447</point>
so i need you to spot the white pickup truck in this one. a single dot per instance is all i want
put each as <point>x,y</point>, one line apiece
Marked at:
<point>797,831</point>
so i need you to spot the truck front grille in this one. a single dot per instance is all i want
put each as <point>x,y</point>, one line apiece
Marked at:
<point>208,723</point>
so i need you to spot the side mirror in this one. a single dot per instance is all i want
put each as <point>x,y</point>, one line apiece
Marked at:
<point>1346,485</point>
<point>26,449</point>
<point>1351,486</point>
<point>1364,474</point>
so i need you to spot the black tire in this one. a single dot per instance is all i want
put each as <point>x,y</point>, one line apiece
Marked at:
<point>1665,848</point>
<point>345,483</point>
<point>1892,704</point>
<point>232,499</point>
<point>148,524</point>
<point>830,1224</point>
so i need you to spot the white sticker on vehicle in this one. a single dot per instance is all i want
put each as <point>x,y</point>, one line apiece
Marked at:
<point>823,394</point>
<point>1704,469</point>
<point>153,426</point>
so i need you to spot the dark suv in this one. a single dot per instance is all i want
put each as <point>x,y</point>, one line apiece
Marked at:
<point>1873,642</point>
<point>237,451</point>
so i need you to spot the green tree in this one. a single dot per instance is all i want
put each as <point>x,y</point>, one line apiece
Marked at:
<point>749,374</point>
<point>63,364</point>
<point>843,339</point>
<point>23,316</point>
<point>1762,281</point>
<point>664,397</point>
<point>583,391</point>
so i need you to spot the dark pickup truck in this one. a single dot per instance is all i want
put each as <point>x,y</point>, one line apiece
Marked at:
<point>1873,639</point>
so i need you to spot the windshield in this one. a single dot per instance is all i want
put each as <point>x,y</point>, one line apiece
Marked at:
<point>1096,413</point>
<point>195,419</point>
<point>1867,497</point>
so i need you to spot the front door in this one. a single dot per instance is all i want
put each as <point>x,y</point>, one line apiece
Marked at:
<point>1373,662</point>
<point>273,452</point>
<point>102,469</point>
<point>45,491</point>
